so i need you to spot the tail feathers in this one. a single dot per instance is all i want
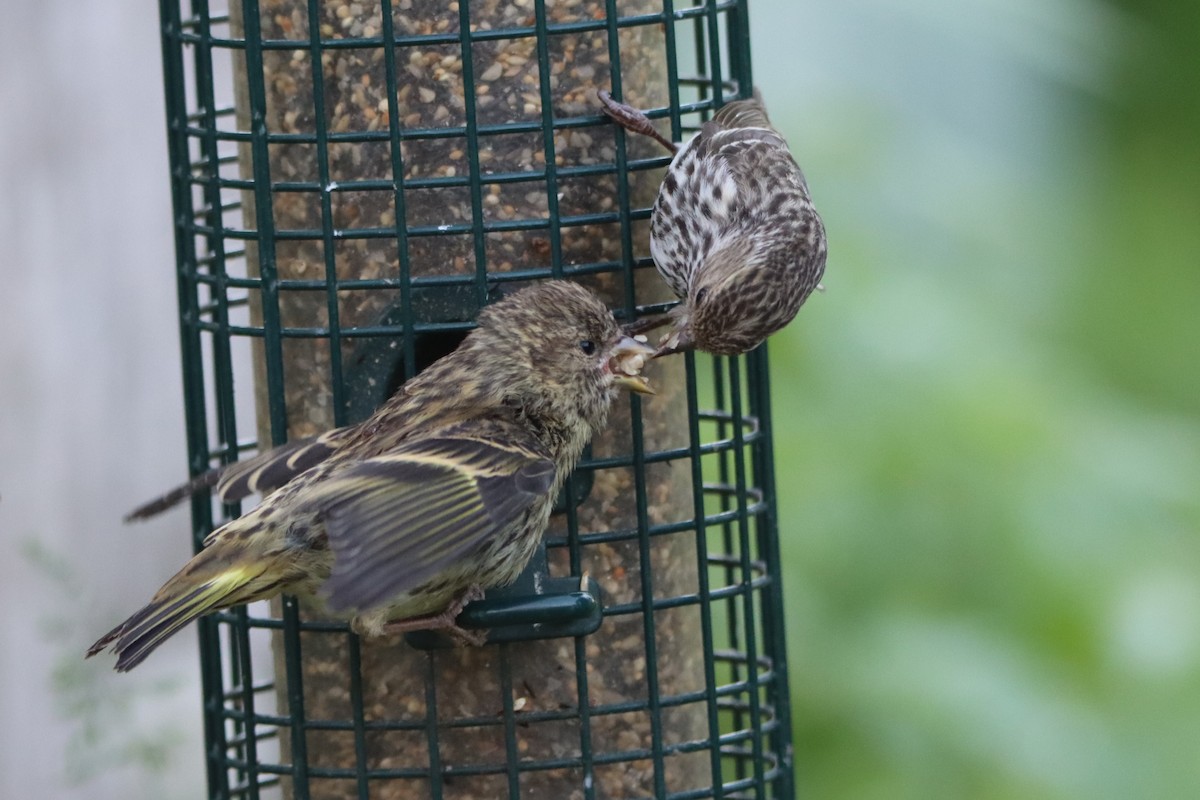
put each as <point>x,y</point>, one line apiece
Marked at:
<point>750,113</point>
<point>263,473</point>
<point>138,636</point>
<point>177,495</point>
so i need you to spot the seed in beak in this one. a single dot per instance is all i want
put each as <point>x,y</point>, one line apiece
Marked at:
<point>626,360</point>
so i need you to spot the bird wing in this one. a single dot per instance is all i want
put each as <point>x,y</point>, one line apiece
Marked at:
<point>756,160</point>
<point>397,520</point>
<point>741,136</point>
<point>264,473</point>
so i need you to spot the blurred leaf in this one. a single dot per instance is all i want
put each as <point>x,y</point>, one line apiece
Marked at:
<point>988,436</point>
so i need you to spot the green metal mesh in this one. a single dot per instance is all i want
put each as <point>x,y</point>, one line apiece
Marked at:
<point>282,213</point>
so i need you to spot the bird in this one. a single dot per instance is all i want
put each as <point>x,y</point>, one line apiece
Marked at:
<point>733,232</point>
<point>440,494</point>
<point>262,473</point>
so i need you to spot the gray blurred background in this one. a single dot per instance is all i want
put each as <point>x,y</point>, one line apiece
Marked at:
<point>988,425</point>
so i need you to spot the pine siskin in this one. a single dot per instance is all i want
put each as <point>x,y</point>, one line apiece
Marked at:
<point>442,493</point>
<point>733,232</point>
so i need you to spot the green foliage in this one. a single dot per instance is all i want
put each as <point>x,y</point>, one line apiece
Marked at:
<point>987,428</point>
<point>115,726</point>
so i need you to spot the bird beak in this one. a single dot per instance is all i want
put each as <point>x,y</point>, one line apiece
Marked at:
<point>647,324</point>
<point>677,342</point>
<point>626,360</point>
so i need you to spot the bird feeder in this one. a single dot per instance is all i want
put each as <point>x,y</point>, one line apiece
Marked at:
<point>352,182</point>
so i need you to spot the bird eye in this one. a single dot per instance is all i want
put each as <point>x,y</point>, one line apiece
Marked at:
<point>587,346</point>
<point>701,294</point>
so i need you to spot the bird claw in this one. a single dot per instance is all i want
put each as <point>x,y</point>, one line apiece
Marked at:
<point>444,621</point>
<point>462,636</point>
<point>632,119</point>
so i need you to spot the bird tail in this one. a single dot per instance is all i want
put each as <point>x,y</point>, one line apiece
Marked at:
<point>748,113</point>
<point>214,579</point>
<point>263,473</point>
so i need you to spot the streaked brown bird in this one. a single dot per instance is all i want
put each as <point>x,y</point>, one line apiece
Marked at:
<point>734,232</point>
<point>443,492</point>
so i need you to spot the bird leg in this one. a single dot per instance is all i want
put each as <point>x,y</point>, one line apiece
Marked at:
<point>443,621</point>
<point>632,119</point>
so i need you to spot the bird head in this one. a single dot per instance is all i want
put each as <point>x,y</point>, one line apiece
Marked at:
<point>558,350</point>
<point>745,290</point>
<point>727,298</point>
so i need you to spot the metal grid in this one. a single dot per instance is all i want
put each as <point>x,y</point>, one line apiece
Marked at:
<point>231,292</point>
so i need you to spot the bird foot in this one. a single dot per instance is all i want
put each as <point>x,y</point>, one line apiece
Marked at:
<point>632,119</point>
<point>443,621</point>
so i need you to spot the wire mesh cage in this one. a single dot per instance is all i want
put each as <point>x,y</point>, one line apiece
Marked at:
<point>352,181</point>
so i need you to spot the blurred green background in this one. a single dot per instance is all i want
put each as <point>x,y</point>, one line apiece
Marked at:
<point>988,425</point>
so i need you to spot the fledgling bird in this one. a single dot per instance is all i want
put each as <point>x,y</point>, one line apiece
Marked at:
<point>443,492</point>
<point>734,232</point>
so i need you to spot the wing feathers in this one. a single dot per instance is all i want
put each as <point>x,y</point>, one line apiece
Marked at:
<point>395,521</point>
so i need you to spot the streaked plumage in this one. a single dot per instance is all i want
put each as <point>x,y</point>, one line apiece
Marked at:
<point>441,493</point>
<point>734,232</point>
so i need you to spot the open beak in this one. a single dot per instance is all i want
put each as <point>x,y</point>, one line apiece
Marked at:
<point>626,360</point>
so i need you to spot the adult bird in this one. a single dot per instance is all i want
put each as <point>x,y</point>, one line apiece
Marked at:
<point>733,232</point>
